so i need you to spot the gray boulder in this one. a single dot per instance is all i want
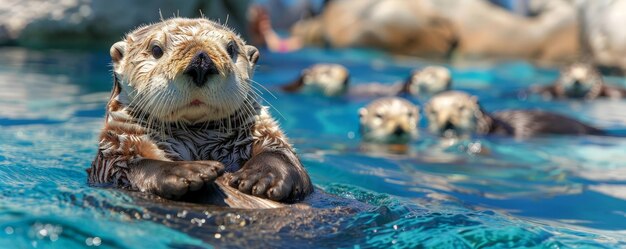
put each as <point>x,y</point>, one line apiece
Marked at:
<point>67,23</point>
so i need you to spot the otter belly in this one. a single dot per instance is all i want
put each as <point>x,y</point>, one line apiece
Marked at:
<point>232,148</point>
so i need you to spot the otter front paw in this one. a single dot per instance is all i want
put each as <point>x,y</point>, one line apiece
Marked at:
<point>182,177</point>
<point>274,176</point>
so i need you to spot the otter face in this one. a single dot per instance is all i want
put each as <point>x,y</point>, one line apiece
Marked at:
<point>389,120</point>
<point>328,79</point>
<point>429,81</point>
<point>453,113</point>
<point>184,71</point>
<point>578,80</point>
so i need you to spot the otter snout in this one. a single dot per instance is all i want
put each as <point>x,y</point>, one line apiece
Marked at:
<point>447,126</point>
<point>201,68</point>
<point>399,131</point>
<point>577,83</point>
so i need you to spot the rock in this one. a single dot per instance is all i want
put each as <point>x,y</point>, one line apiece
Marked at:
<point>45,23</point>
<point>435,28</point>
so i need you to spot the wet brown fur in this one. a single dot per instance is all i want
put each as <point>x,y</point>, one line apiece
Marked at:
<point>147,148</point>
<point>591,78</point>
<point>461,112</point>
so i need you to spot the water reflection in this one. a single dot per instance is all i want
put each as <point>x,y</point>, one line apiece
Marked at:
<point>546,192</point>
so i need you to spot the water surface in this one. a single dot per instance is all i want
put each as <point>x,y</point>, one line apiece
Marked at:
<point>555,192</point>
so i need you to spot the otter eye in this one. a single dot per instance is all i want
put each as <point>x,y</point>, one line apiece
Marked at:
<point>410,114</point>
<point>157,52</point>
<point>232,49</point>
<point>378,115</point>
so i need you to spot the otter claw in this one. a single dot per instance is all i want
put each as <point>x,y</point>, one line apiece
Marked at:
<point>178,179</point>
<point>272,176</point>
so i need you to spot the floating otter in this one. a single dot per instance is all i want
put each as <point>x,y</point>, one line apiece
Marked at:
<point>332,80</point>
<point>327,79</point>
<point>457,113</point>
<point>421,83</point>
<point>182,112</point>
<point>389,120</point>
<point>580,81</point>
<point>428,81</point>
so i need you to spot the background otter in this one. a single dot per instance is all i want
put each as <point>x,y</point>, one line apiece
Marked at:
<point>580,81</point>
<point>389,120</point>
<point>421,83</point>
<point>427,81</point>
<point>325,78</point>
<point>333,80</point>
<point>182,112</point>
<point>458,113</point>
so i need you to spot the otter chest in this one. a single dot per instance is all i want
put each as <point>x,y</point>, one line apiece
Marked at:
<point>232,148</point>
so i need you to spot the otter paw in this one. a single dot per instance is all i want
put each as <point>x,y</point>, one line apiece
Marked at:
<point>182,177</point>
<point>272,176</point>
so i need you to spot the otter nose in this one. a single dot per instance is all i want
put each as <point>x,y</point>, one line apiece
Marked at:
<point>398,131</point>
<point>577,83</point>
<point>448,126</point>
<point>200,68</point>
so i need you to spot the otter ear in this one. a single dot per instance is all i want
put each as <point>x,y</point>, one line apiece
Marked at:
<point>117,51</point>
<point>253,54</point>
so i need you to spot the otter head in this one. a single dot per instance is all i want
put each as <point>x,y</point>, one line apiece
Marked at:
<point>454,113</point>
<point>326,79</point>
<point>183,71</point>
<point>389,120</point>
<point>580,80</point>
<point>428,81</point>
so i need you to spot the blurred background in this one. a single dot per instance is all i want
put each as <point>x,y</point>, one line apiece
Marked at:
<point>548,31</point>
<point>549,192</point>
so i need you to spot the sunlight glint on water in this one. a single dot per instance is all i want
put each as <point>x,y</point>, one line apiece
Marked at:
<point>549,192</point>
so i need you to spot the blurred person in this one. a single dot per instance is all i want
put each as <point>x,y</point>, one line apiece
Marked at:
<point>284,13</point>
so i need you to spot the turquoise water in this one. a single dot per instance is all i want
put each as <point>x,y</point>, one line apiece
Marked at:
<point>558,192</point>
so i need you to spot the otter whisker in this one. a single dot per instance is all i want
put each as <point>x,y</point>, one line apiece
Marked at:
<point>163,103</point>
<point>177,120</point>
<point>157,108</point>
<point>262,86</point>
<point>268,103</point>
<point>246,105</point>
<point>247,110</point>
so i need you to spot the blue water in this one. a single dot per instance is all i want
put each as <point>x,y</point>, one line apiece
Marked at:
<point>556,192</point>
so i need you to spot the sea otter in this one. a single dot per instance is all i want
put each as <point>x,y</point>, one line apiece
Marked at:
<point>323,78</point>
<point>580,81</point>
<point>333,80</point>
<point>421,83</point>
<point>455,113</point>
<point>390,120</point>
<point>427,81</point>
<point>182,112</point>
